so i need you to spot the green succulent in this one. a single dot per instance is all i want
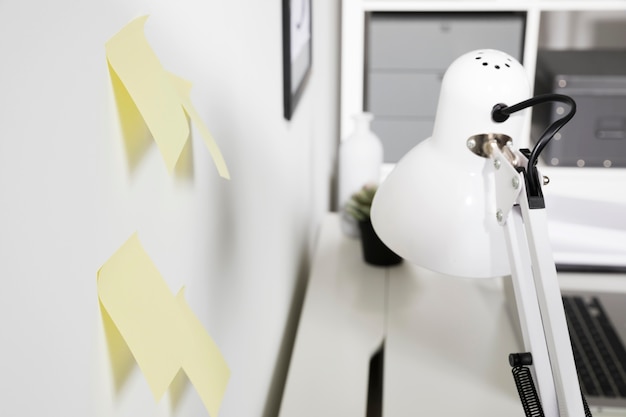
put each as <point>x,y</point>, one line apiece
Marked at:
<point>360,203</point>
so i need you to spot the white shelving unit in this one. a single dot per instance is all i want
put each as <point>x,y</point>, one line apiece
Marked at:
<point>556,24</point>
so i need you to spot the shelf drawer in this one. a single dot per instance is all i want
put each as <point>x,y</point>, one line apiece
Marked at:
<point>596,136</point>
<point>403,94</point>
<point>431,41</point>
<point>400,136</point>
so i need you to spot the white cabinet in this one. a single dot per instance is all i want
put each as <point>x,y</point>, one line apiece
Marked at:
<point>548,24</point>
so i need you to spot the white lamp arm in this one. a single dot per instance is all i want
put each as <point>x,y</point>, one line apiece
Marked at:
<point>537,292</point>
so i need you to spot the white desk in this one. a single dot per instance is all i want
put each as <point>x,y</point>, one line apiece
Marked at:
<point>340,328</point>
<point>447,339</point>
<point>447,347</point>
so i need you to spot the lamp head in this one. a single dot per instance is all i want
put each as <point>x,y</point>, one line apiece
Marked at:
<point>437,207</point>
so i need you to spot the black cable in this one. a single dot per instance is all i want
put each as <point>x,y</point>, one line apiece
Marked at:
<point>586,406</point>
<point>501,112</point>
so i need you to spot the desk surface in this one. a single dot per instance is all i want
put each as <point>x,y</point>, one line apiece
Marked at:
<point>447,346</point>
<point>446,339</point>
<point>341,326</point>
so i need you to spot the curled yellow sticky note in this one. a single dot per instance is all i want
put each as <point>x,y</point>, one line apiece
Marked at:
<point>160,329</point>
<point>203,362</point>
<point>156,94</point>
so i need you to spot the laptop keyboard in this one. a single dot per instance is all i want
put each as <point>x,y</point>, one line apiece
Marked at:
<point>598,352</point>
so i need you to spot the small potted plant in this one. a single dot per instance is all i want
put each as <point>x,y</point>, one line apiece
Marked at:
<point>375,252</point>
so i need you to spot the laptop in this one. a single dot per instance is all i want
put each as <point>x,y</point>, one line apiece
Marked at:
<point>597,327</point>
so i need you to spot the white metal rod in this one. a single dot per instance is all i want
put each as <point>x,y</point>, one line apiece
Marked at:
<point>528,311</point>
<point>568,391</point>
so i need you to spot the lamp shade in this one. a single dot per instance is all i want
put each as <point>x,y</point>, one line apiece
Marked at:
<point>437,207</point>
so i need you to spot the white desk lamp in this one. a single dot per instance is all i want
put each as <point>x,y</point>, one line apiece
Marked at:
<point>466,202</point>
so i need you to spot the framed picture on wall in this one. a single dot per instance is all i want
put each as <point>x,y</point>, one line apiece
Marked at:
<point>297,51</point>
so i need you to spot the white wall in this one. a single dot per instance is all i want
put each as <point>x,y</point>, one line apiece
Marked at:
<point>69,197</point>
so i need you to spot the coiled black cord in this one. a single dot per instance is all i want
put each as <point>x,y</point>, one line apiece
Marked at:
<point>501,112</point>
<point>527,392</point>
<point>526,386</point>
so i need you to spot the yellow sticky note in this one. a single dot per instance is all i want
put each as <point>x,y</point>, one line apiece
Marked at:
<point>147,83</point>
<point>183,87</point>
<point>203,362</point>
<point>137,72</point>
<point>160,329</point>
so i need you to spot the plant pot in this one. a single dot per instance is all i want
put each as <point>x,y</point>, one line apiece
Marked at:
<point>375,252</point>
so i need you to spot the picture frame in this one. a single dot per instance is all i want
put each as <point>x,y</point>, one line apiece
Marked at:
<point>297,51</point>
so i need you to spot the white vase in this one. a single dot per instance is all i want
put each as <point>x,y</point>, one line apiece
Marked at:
<point>360,161</point>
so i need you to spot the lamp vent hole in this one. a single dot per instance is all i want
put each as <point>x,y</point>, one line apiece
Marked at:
<point>508,62</point>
